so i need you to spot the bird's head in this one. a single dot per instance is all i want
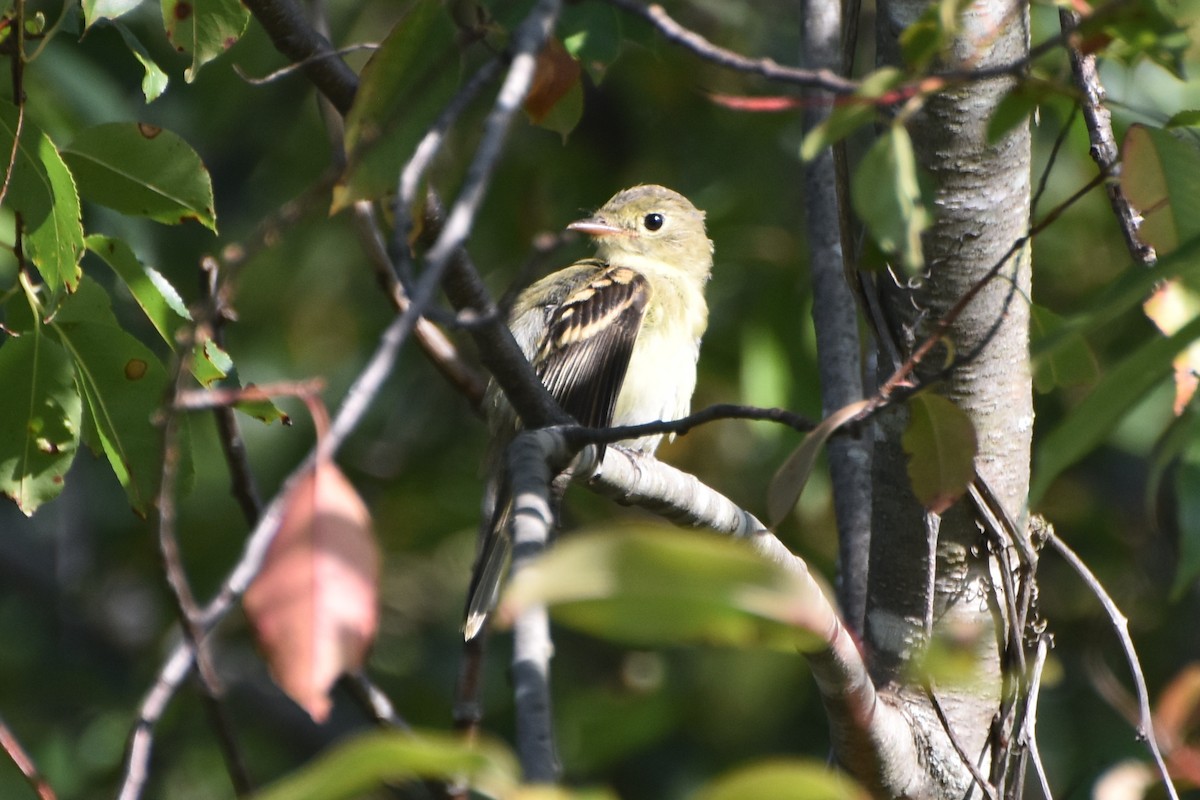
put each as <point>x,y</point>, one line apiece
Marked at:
<point>653,222</point>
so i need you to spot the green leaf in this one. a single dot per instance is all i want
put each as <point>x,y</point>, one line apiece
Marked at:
<point>1071,363</point>
<point>941,446</point>
<point>142,170</point>
<point>591,32</point>
<point>123,385</point>
<point>203,28</point>
<point>851,113</point>
<point>1093,419</point>
<point>40,413</point>
<point>1016,106</point>
<point>94,10</point>
<point>555,98</point>
<point>889,198</point>
<point>42,192</point>
<point>783,779</point>
<point>653,585</point>
<point>792,476</point>
<point>1160,175</point>
<point>404,86</point>
<point>154,293</point>
<point>1187,493</point>
<point>154,83</point>
<point>371,759</point>
<point>1188,118</point>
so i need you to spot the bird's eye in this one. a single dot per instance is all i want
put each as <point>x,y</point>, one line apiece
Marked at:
<point>653,222</point>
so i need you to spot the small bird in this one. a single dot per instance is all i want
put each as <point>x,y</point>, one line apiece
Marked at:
<point>615,340</point>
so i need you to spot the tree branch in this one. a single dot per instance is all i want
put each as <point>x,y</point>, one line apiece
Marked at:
<point>293,36</point>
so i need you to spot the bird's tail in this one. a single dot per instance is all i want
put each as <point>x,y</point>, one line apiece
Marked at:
<point>490,563</point>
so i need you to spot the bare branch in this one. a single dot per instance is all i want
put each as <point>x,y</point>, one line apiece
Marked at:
<point>1120,626</point>
<point>16,753</point>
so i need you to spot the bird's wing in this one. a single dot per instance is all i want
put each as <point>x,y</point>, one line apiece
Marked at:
<point>589,340</point>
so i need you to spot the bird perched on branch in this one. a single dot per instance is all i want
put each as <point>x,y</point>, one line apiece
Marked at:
<point>615,340</point>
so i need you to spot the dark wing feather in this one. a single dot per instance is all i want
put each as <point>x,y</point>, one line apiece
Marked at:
<point>589,341</point>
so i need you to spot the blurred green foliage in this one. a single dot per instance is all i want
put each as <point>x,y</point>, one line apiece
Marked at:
<point>85,617</point>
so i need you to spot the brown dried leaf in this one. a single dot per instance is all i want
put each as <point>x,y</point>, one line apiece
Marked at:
<point>314,604</point>
<point>555,74</point>
<point>1172,306</point>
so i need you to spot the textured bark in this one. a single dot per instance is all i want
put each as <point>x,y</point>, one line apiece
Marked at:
<point>937,582</point>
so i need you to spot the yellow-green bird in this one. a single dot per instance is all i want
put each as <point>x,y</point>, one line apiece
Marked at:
<point>615,340</point>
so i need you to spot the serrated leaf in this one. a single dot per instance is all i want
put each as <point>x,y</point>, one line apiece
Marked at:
<point>1071,363</point>
<point>40,412</point>
<point>403,88</point>
<point>314,604</point>
<point>657,585</point>
<point>941,445</point>
<point>851,113</point>
<point>122,383</point>
<point>42,192</point>
<point>370,760</point>
<point>1093,420</point>
<point>792,476</point>
<point>142,170</point>
<point>1160,176</point>
<point>783,779</point>
<point>889,198</point>
<point>94,10</point>
<point>155,81</point>
<point>150,289</point>
<point>203,29</point>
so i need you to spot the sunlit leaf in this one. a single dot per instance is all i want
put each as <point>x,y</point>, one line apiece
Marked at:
<point>122,383</point>
<point>106,9</point>
<point>792,476</point>
<point>658,585</point>
<point>889,197</point>
<point>372,759</point>
<point>851,113</point>
<point>154,83</point>
<point>403,88</point>
<point>790,779</point>
<point>41,190</point>
<point>203,29</point>
<point>1072,363</point>
<point>150,289</point>
<point>314,605</point>
<point>591,32</point>
<point>941,445</point>
<point>1171,307</point>
<point>1093,420</point>
<point>40,411</point>
<point>142,170</point>
<point>1160,175</point>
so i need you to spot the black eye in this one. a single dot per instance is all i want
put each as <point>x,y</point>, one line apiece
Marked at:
<point>653,222</point>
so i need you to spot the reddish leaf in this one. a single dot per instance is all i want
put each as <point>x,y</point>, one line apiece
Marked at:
<point>314,604</point>
<point>767,104</point>
<point>556,74</point>
<point>1172,306</point>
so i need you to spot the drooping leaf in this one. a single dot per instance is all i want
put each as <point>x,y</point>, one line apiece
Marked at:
<point>1171,307</point>
<point>40,411</point>
<point>1160,175</point>
<point>783,779</point>
<point>203,29</point>
<point>591,32</point>
<point>372,759</point>
<point>657,585</point>
<point>42,192</point>
<point>150,289</point>
<point>941,445</point>
<point>142,170</point>
<point>1016,106</point>
<point>889,197</point>
<point>314,604</point>
<point>1071,364</point>
<point>404,86</point>
<point>851,113</point>
<point>792,476</point>
<point>122,383</point>
<point>154,83</point>
<point>94,10</point>
<point>1092,420</point>
<point>554,78</point>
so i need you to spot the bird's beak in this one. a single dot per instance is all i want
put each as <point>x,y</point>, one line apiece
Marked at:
<point>595,226</point>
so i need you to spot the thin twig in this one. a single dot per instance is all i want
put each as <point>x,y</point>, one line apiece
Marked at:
<point>1120,625</point>
<point>17,754</point>
<point>296,66</point>
<point>1028,732</point>
<point>963,756</point>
